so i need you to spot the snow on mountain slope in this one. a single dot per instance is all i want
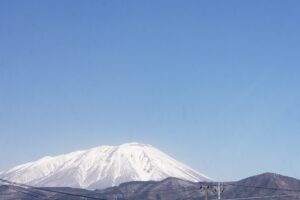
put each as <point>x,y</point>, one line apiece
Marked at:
<point>102,167</point>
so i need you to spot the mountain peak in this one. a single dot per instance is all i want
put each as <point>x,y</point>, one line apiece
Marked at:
<point>135,144</point>
<point>101,167</point>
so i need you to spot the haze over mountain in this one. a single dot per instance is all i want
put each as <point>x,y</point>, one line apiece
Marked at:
<point>102,167</point>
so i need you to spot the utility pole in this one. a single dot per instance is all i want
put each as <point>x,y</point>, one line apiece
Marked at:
<point>205,189</point>
<point>206,192</point>
<point>220,190</point>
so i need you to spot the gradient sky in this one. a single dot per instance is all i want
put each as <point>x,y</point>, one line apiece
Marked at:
<point>215,84</point>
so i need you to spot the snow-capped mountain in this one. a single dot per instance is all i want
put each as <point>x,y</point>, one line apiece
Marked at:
<point>102,167</point>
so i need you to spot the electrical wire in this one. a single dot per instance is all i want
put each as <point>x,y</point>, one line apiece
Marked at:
<point>47,190</point>
<point>265,188</point>
<point>172,190</point>
<point>24,187</point>
<point>26,193</point>
<point>190,195</point>
<point>261,197</point>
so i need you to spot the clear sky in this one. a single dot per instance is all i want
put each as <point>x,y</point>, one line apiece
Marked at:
<point>215,84</point>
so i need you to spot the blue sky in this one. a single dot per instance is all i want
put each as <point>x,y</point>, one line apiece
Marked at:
<point>215,84</point>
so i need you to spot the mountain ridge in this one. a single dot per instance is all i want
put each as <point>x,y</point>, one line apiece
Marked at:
<point>173,188</point>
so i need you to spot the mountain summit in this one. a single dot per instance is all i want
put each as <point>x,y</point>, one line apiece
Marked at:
<point>102,167</point>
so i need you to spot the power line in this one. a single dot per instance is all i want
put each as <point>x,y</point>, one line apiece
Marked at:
<point>262,197</point>
<point>265,188</point>
<point>25,190</point>
<point>150,190</point>
<point>48,190</point>
<point>26,193</point>
<point>190,195</point>
<point>26,187</point>
<point>173,190</point>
